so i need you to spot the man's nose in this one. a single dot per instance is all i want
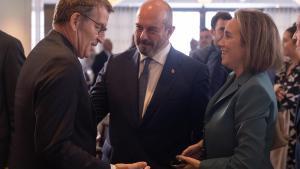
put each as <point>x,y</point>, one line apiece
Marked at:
<point>144,35</point>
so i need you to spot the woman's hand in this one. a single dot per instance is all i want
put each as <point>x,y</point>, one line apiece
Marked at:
<point>280,94</point>
<point>190,163</point>
<point>194,150</point>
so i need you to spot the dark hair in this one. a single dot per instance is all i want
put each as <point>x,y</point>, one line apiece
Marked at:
<point>203,29</point>
<point>65,8</point>
<point>292,31</point>
<point>219,15</point>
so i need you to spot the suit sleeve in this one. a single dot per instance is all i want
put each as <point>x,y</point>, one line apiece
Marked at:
<point>56,106</point>
<point>252,109</point>
<point>200,97</point>
<point>13,61</point>
<point>98,94</point>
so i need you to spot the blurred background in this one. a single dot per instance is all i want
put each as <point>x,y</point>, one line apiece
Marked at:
<point>30,20</point>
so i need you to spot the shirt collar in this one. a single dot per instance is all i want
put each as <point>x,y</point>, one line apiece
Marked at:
<point>161,56</point>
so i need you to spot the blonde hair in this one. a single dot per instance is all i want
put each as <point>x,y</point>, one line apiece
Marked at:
<point>65,8</point>
<point>260,37</point>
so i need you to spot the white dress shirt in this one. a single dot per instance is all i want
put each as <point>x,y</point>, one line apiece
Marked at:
<point>155,68</point>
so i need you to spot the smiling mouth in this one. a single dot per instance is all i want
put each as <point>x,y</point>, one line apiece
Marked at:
<point>94,44</point>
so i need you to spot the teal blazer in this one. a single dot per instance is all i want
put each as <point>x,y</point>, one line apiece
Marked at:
<point>240,123</point>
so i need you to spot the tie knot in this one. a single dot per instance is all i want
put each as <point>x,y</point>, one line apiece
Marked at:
<point>147,61</point>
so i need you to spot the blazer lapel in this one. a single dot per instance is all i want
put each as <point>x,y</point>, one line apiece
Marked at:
<point>164,83</point>
<point>218,95</point>
<point>228,89</point>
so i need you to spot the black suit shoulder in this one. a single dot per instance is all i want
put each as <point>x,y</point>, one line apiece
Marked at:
<point>8,40</point>
<point>128,54</point>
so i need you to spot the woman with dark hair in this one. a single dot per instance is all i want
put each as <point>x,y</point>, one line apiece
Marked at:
<point>287,90</point>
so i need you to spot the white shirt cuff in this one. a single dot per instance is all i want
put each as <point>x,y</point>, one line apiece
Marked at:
<point>112,166</point>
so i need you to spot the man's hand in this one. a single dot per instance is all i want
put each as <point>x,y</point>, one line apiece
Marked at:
<point>138,165</point>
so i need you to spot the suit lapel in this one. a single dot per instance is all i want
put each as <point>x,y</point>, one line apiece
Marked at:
<point>164,83</point>
<point>131,85</point>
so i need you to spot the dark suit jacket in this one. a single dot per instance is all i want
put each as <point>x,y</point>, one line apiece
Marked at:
<point>211,56</point>
<point>240,124</point>
<point>174,113</point>
<point>99,62</point>
<point>55,127</point>
<point>11,59</point>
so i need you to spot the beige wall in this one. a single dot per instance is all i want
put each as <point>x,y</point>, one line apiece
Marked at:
<point>15,20</point>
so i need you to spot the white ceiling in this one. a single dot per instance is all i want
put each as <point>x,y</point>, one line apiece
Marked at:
<point>212,4</point>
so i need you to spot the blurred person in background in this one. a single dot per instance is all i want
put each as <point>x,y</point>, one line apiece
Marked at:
<point>101,58</point>
<point>205,38</point>
<point>211,55</point>
<point>297,123</point>
<point>287,90</point>
<point>193,45</point>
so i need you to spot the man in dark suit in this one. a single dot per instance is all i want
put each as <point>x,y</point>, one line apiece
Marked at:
<point>211,55</point>
<point>102,57</point>
<point>11,60</point>
<point>155,94</point>
<point>55,125</point>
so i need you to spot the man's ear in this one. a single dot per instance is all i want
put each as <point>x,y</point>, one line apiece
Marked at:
<point>74,21</point>
<point>171,30</point>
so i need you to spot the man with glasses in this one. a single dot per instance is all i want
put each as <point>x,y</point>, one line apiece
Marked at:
<point>55,127</point>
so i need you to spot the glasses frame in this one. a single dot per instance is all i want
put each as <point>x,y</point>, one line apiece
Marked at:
<point>102,26</point>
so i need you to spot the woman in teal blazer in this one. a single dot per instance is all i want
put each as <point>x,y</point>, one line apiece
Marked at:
<point>240,118</point>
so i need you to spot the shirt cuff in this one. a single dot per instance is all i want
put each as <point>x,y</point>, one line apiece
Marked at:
<point>112,166</point>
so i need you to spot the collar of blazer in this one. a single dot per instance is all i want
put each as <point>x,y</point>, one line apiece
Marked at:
<point>228,89</point>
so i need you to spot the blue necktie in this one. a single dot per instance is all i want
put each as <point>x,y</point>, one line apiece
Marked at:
<point>143,82</point>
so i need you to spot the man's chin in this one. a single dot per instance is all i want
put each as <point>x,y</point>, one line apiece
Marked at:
<point>144,51</point>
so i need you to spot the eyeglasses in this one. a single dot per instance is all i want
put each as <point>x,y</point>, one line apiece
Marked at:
<point>100,27</point>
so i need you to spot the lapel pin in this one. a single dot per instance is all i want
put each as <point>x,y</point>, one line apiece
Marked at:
<point>173,71</point>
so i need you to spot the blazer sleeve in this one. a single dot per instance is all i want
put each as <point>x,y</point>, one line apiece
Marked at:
<point>251,112</point>
<point>12,63</point>
<point>98,94</point>
<point>56,106</point>
<point>199,100</point>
